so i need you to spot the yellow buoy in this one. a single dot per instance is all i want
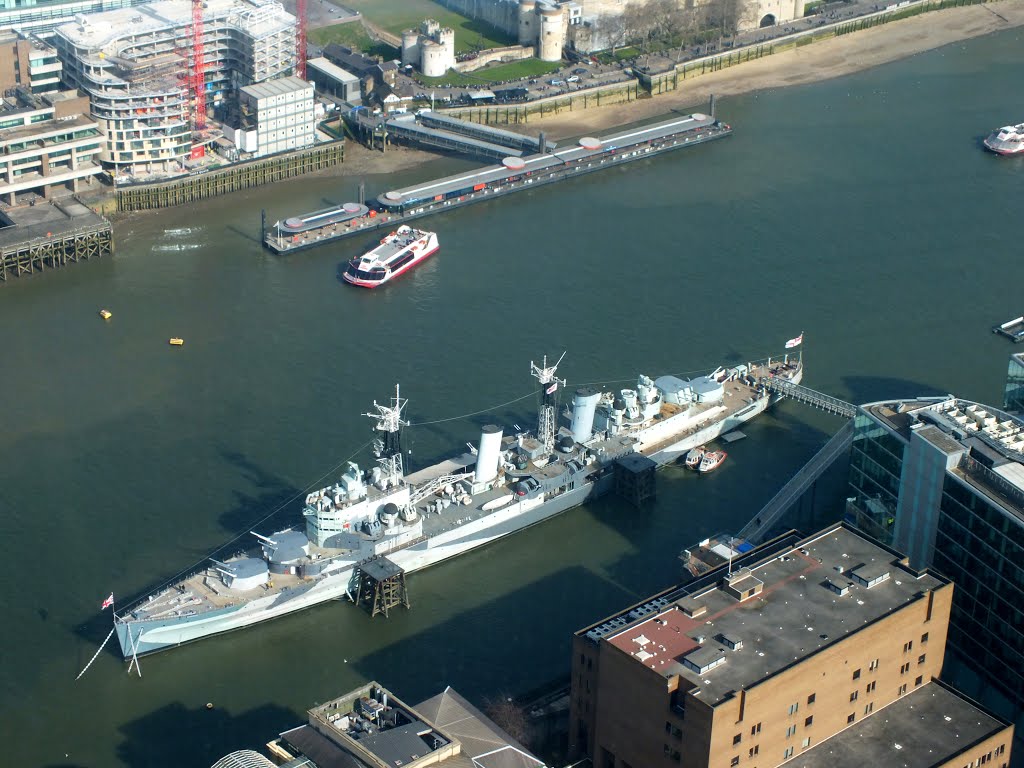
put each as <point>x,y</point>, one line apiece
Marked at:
<point>106,314</point>
<point>176,342</point>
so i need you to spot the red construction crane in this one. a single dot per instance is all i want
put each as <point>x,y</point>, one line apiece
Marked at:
<point>198,66</point>
<point>300,38</point>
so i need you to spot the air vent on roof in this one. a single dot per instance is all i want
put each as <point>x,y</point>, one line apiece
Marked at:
<point>839,589</point>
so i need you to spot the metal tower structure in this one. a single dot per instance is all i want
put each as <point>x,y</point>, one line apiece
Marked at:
<point>198,67</point>
<point>389,449</point>
<point>300,39</point>
<point>547,413</point>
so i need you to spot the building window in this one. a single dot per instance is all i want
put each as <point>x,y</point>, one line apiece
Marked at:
<point>851,717</point>
<point>918,680</point>
<point>924,638</point>
<point>735,760</point>
<point>790,731</point>
<point>904,668</point>
<point>853,696</point>
<point>753,750</point>
<point>920,659</point>
<point>871,687</point>
<point>907,646</point>
<point>808,721</point>
<point>668,727</point>
<point>856,674</point>
<point>737,738</point>
<point>868,709</point>
<point>793,708</point>
<point>873,665</point>
<point>811,698</point>
<point>903,689</point>
<point>788,753</point>
<point>755,729</point>
<point>805,743</point>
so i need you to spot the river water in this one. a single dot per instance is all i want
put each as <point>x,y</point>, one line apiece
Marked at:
<point>861,211</point>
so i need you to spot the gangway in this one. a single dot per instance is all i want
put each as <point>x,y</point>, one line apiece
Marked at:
<point>809,396</point>
<point>771,512</point>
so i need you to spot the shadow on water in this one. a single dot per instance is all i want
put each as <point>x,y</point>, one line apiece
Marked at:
<point>199,736</point>
<point>869,389</point>
<point>453,653</point>
<point>250,236</point>
<point>276,501</point>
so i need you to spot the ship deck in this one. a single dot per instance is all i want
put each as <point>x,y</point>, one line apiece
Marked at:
<point>204,592</point>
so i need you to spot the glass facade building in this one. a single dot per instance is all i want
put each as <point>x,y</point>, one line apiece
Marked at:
<point>942,479</point>
<point>1014,398</point>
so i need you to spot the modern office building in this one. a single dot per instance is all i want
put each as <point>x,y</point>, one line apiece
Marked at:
<point>1014,397</point>
<point>134,65</point>
<point>784,653</point>
<point>48,144</point>
<point>30,62</point>
<point>275,116</point>
<point>942,479</point>
<point>370,727</point>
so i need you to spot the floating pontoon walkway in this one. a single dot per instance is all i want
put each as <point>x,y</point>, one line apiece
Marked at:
<point>513,175</point>
<point>407,128</point>
<point>484,132</point>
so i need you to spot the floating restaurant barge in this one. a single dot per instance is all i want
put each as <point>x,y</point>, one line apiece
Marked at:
<point>514,174</point>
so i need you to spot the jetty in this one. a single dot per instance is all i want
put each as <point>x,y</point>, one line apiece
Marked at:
<point>1011,329</point>
<point>515,173</point>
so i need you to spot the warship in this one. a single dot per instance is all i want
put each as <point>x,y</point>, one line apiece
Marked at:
<point>504,484</point>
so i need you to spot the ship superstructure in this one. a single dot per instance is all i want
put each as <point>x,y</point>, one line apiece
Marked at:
<point>504,484</point>
<point>397,253</point>
<point>1008,140</point>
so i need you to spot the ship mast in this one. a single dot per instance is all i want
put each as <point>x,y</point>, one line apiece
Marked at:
<point>389,450</point>
<point>546,414</point>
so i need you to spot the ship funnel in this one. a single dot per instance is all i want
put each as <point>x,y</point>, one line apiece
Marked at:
<point>584,405</point>
<point>488,454</point>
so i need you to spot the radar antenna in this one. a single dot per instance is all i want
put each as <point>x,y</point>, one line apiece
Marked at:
<point>545,374</point>
<point>390,422</point>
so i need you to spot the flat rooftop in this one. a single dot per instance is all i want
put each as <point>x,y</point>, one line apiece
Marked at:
<point>99,30</point>
<point>278,87</point>
<point>807,596</point>
<point>993,438</point>
<point>932,725</point>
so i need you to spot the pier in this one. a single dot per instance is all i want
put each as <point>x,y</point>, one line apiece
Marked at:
<point>515,174</point>
<point>50,235</point>
<point>381,585</point>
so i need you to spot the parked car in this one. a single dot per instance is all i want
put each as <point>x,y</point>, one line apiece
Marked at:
<point>580,71</point>
<point>572,79</point>
<point>556,82</point>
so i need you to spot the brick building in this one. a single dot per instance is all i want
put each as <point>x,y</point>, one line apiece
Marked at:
<point>775,656</point>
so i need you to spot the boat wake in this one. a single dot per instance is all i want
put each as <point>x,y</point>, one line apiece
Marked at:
<point>176,247</point>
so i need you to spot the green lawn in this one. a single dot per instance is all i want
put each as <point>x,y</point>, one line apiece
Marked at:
<point>354,36</point>
<point>395,16</point>
<point>498,73</point>
<point>621,54</point>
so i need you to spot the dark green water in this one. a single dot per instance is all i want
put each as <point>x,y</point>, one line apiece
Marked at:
<point>860,210</point>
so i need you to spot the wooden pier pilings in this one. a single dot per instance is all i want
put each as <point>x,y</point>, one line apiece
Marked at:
<point>246,176</point>
<point>41,253</point>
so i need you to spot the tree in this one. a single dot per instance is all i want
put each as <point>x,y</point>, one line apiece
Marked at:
<point>507,716</point>
<point>611,31</point>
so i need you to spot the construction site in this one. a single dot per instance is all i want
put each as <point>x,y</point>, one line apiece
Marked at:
<point>165,79</point>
